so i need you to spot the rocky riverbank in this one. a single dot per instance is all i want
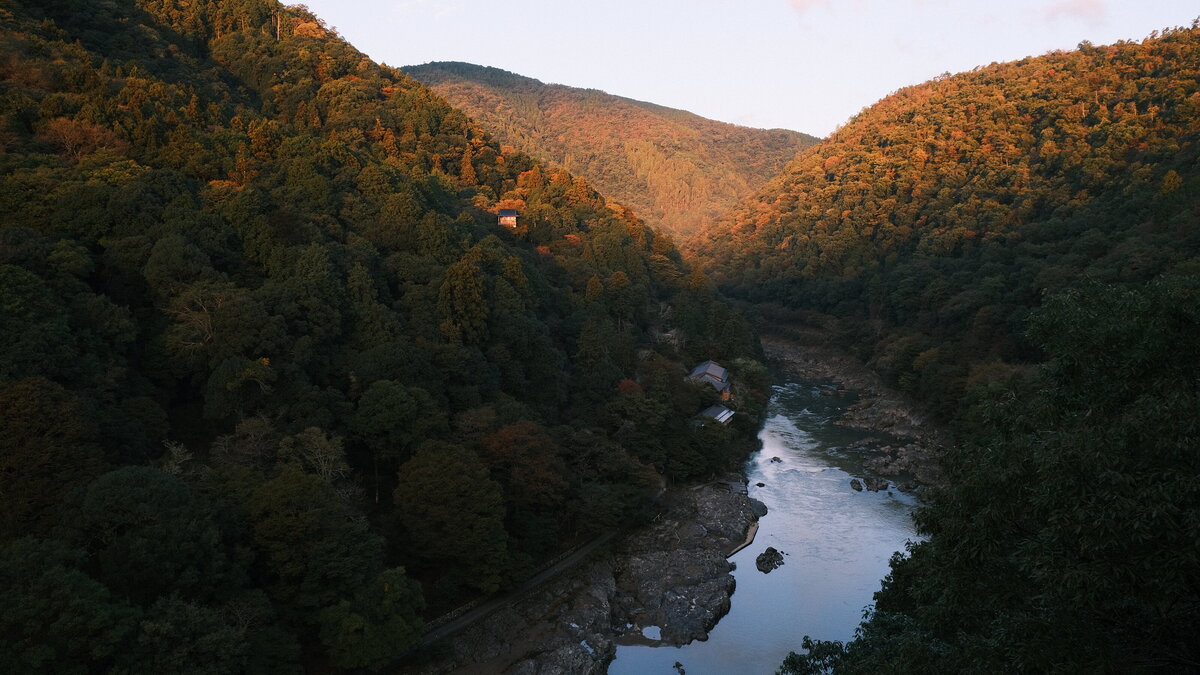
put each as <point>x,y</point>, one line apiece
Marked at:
<point>908,454</point>
<point>669,582</point>
<point>666,583</point>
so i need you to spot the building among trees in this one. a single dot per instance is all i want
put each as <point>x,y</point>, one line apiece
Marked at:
<point>717,412</point>
<point>715,375</point>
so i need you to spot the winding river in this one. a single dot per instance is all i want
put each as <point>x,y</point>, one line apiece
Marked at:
<point>837,543</point>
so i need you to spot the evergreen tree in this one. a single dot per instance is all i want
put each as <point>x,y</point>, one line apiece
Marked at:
<point>452,513</point>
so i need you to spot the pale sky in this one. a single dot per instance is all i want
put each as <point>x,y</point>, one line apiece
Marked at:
<point>807,65</point>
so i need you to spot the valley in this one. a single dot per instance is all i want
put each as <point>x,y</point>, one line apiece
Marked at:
<point>312,363</point>
<point>676,170</point>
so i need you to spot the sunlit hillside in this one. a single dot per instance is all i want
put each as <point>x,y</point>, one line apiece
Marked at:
<point>935,220</point>
<point>678,171</point>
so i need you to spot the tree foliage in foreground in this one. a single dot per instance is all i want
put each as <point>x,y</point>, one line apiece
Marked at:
<point>1065,537</point>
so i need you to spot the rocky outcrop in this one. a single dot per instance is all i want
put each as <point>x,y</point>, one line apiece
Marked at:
<point>768,560</point>
<point>684,599</point>
<point>910,459</point>
<point>672,575</point>
<point>675,574</point>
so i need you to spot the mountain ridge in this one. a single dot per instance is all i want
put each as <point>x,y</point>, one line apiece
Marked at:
<point>935,220</point>
<point>676,169</point>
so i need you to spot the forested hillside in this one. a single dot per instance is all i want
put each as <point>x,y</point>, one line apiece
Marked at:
<point>273,378</point>
<point>1018,246</point>
<point>935,220</point>
<point>1065,536</point>
<point>676,170</point>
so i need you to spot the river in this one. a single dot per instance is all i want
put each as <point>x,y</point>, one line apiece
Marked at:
<point>837,543</point>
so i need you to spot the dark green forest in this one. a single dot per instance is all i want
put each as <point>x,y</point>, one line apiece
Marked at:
<point>1018,247</point>
<point>1065,535</point>
<point>677,170</point>
<point>275,387</point>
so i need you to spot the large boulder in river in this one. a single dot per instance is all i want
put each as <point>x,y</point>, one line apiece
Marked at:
<point>758,508</point>
<point>768,560</point>
<point>856,484</point>
<point>875,484</point>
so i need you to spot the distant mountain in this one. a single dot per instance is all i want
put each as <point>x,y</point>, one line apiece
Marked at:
<point>678,171</point>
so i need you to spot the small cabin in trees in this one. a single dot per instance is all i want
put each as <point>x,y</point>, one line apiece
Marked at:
<point>719,413</point>
<point>715,375</point>
<point>508,218</point>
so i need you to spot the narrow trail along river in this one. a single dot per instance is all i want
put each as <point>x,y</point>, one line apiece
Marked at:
<point>836,544</point>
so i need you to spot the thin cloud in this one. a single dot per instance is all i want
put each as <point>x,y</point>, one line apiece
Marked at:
<point>803,6</point>
<point>1091,11</point>
<point>855,6</point>
<point>436,8</point>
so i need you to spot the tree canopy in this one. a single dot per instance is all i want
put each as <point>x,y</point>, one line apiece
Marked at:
<point>256,307</point>
<point>1064,537</point>
<point>932,223</point>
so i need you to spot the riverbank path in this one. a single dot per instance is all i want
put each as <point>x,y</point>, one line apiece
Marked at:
<point>455,625</point>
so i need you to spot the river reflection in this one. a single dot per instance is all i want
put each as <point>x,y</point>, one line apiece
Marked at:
<point>837,543</point>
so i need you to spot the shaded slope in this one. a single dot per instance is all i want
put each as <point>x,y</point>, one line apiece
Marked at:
<point>254,301</point>
<point>676,170</point>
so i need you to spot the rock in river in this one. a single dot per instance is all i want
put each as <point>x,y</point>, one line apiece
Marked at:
<point>768,560</point>
<point>856,484</point>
